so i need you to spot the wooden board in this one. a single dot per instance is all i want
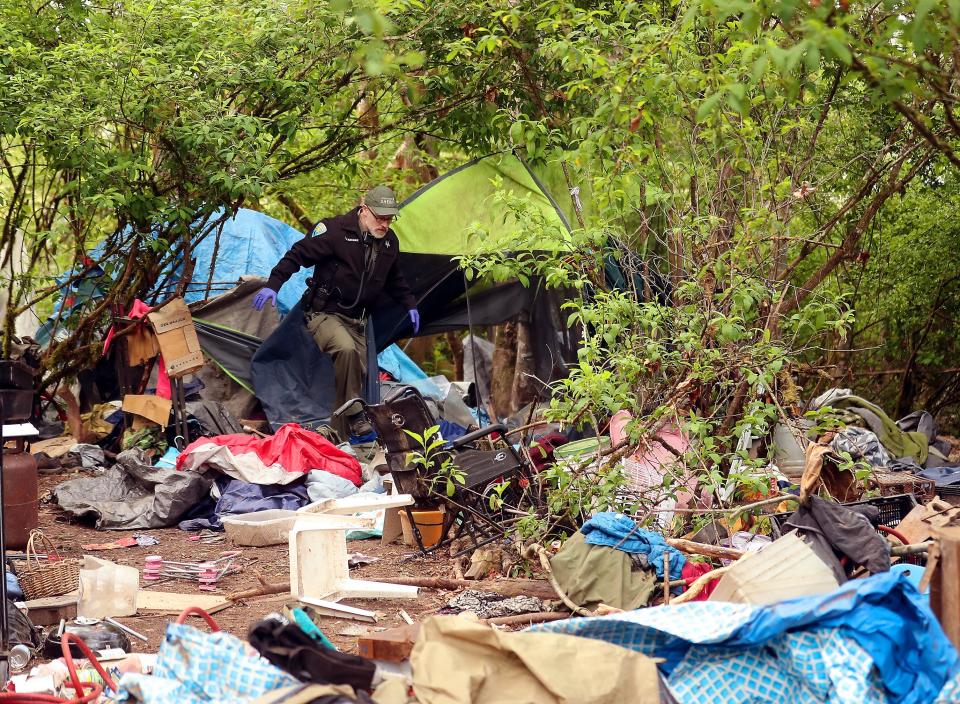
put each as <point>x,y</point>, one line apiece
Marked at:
<point>918,525</point>
<point>945,584</point>
<point>173,603</point>
<point>50,610</point>
<point>392,645</point>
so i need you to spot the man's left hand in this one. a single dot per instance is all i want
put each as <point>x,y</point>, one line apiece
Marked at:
<point>415,319</point>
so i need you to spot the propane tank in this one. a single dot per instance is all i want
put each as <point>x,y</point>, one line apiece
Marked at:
<point>20,496</point>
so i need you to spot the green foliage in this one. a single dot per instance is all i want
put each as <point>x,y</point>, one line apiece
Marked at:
<point>435,462</point>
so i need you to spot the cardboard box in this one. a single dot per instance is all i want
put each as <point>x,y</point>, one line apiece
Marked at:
<point>152,408</point>
<point>177,338</point>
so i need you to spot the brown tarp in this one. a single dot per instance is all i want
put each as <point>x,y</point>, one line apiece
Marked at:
<point>460,661</point>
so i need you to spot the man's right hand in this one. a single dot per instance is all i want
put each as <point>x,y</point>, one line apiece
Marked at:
<point>263,295</point>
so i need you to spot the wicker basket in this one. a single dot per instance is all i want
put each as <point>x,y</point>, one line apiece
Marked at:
<point>53,577</point>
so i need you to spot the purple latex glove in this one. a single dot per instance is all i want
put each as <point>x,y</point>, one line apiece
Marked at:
<point>263,295</point>
<point>415,319</point>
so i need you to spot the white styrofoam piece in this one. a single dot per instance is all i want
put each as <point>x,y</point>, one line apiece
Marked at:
<point>271,527</point>
<point>319,570</point>
<point>358,504</point>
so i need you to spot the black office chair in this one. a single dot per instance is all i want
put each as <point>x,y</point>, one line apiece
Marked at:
<point>493,479</point>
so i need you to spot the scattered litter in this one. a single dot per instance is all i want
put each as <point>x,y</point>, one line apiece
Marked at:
<point>486,605</point>
<point>137,540</point>
<point>357,559</point>
<point>357,631</point>
<point>207,573</point>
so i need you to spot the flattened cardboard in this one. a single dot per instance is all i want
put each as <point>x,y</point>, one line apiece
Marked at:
<point>141,344</point>
<point>153,408</point>
<point>177,338</point>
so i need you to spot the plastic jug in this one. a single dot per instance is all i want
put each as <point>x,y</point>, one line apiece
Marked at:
<point>107,589</point>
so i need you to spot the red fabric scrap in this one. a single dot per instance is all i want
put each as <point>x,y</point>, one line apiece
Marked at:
<point>292,447</point>
<point>694,570</point>
<point>138,310</point>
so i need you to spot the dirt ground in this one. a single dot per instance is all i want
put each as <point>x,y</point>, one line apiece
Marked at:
<point>272,562</point>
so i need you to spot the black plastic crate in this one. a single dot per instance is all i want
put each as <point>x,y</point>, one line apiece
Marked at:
<point>17,405</point>
<point>949,490</point>
<point>15,375</point>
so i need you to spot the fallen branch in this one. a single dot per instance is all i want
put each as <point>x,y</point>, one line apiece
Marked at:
<point>527,619</point>
<point>692,548</point>
<point>700,584</point>
<point>265,589</point>
<point>505,587</point>
<point>539,588</point>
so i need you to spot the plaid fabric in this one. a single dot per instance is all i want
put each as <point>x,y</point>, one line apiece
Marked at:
<point>194,667</point>
<point>950,694</point>
<point>803,667</point>
<point>872,640</point>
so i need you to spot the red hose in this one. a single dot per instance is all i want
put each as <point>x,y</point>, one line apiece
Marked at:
<point>895,533</point>
<point>95,689</point>
<point>197,611</point>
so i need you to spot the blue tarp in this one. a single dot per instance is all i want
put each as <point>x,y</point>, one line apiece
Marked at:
<point>250,244</point>
<point>614,530</point>
<point>871,640</point>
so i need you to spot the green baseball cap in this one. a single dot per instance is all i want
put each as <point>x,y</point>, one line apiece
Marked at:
<point>382,201</point>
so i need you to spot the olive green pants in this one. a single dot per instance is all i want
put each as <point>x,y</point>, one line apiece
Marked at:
<point>344,339</point>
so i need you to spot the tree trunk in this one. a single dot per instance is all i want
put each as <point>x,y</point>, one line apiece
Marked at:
<point>504,362</point>
<point>456,349</point>
<point>524,389</point>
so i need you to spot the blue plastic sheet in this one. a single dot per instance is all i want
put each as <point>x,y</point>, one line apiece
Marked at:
<point>871,640</point>
<point>396,362</point>
<point>614,530</point>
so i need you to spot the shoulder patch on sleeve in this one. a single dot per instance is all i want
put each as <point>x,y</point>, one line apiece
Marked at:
<point>319,229</point>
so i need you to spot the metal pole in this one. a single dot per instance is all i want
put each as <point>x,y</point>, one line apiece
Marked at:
<point>4,625</point>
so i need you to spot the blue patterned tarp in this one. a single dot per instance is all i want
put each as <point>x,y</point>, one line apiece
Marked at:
<point>194,667</point>
<point>871,640</point>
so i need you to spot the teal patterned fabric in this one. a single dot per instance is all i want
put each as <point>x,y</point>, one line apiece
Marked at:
<point>194,667</point>
<point>872,640</point>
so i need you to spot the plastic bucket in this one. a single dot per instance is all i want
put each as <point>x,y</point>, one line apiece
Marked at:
<point>587,446</point>
<point>430,524</point>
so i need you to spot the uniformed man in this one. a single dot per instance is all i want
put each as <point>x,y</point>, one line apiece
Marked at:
<point>355,258</point>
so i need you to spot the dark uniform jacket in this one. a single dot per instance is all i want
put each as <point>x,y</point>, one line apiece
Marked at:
<point>351,269</point>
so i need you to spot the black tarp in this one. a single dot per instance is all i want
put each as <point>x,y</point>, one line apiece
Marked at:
<point>294,379</point>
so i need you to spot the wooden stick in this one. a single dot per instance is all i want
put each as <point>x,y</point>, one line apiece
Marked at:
<point>545,563</point>
<point>505,587</point>
<point>900,550</point>
<point>265,589</point>
<point>700,584</point>
<point>527,619</point>
<point>666,577</point>
<point>692,548</point>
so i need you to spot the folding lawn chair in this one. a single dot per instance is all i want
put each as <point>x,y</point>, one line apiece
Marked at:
<point>493,479</point>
